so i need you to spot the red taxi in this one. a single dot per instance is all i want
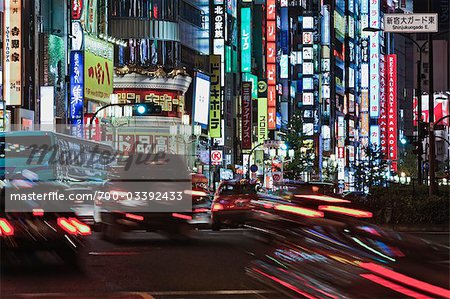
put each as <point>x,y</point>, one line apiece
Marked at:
<point>232,202</point>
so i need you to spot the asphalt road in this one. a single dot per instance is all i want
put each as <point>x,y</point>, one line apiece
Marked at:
<point>150,266</point>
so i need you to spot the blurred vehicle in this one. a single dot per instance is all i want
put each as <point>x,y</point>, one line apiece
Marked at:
<point>358,196</point>
<point>323,247</point>
<point>27,228</point>
<point>232,202</point>
<point>80,165</point>
<point>201,201</point>
<point>155,195</point>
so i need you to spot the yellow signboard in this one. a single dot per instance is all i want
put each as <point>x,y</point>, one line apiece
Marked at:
<point>98,69</point>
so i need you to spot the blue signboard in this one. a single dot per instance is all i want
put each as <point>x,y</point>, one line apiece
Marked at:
<point>76,91</point>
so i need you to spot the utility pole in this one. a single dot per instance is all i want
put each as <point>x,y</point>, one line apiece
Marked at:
<point>432,149</point>
<point>419,119</point>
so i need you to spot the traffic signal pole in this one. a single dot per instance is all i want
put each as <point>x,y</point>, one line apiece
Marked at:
<point>419,119</point>
<point>432,149</point>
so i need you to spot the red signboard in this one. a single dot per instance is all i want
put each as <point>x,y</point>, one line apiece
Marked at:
<point>441,109</point>
<point>383,119</point>
<point>271,10</point>
<point>272,118</point>
<point>95,129</point>
<point>272,96</point>
<point>76,9</point>
<point>271,69</point>
<point>246,115</point>
<point>271,30</point>
<point>391,99</point>
<point>271,52</point>
<point>271,74</point>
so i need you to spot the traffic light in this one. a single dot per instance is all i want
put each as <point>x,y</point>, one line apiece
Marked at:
<point>417,148</point>
<point>146,109</point>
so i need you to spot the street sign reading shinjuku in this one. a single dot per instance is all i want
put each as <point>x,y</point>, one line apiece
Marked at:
<point>411,23</point>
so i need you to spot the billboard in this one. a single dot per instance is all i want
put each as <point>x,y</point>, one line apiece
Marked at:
<point>441,108</point>
<point>215,110</point>
<point>98,69</point>
<point>171,103</point>
<point>246,39</point>
<point>246,115</point>
<point>47,105</point>
<point>76,90</point>
<point>262,120</point>
<point>374,60</point>
<point>201,99</point>
<point>391,101</point>
<point>12,52</point>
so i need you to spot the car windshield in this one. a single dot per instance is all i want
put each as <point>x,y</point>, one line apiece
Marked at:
<point>238,189</point>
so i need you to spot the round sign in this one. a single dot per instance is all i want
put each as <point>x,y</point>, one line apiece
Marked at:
<point>276,177</point>
<point>262,86</point>
<point>254,168</point>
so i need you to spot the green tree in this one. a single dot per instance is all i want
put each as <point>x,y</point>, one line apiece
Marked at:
<point>303,160</point>
<point>371,170</point>
<point>408,163</point>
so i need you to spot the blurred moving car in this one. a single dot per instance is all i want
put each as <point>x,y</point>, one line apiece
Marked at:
<point>323,247</point>
<point>154,196</point>
<point>232,202</point>
<point>24,235</point>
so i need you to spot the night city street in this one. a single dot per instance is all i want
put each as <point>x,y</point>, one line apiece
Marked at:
<point>149,266</point>
<point>225,149</point>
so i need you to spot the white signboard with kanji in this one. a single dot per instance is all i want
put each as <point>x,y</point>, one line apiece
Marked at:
<point>411,23</point>
<point>216,157</point>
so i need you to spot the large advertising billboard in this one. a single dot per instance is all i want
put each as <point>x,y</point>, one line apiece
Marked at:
<point>12,52</point>
<point>98,69</point>
<point>201,99</point>
<point>215,110</point>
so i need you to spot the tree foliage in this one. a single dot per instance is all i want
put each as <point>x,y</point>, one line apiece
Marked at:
<point>370,171</point>
<point>303,160</point>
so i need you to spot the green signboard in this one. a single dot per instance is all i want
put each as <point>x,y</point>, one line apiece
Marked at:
<point>246,40</point>
<point>262,120</point>
<point>251,78</point>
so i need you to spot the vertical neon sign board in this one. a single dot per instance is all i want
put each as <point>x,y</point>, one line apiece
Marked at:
<point>374,59</point>
<point>271,69</point>
<point>246,115</point>
<point>246,40</point>
<point>392,108</point>
<point>76,91</point>
<point>215,110</point>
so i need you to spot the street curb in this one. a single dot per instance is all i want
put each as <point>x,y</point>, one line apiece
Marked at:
<point>418,228</point>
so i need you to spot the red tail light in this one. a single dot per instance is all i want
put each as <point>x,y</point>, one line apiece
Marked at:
<point>201,210</point>
<point>393,286</point>
<point>322,198</point>
<point>134,217</point>
<point>300,211</point>
<point>82,228</point>
<point>412,282</point>
<point>181,216</point>
<point>6,228</point>
<point>346,211</point>
<point>217,207</point>
<point>67,226</point>
<point>74,226</point>
<point>38,212</point>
